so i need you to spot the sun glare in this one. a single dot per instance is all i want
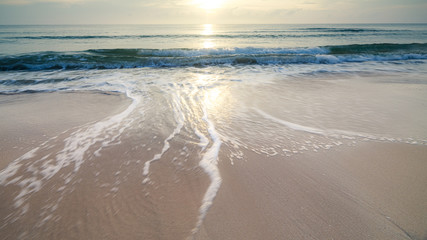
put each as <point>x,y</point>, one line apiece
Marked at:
<point>208,43</point>
<point>207,29</point>
<point>208,4</point>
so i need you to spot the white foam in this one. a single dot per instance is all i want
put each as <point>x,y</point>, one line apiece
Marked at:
<point>179,118</point>
<point>79,142</point>
<point>204,141</point>
<point>290,125</point>
<point>324,132</point>
<point>14,166</point>
<point>209,164</point>
<point>73,152</point>
<point>232,51</point>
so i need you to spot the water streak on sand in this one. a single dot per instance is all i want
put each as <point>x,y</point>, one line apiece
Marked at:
<point>40,168</point>
<point>324,132</point>
<point>180,119</point>
<point>209,164</point>
<point>255,92</point>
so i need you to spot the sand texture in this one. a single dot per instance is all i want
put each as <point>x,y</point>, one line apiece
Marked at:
<point>75,167</point>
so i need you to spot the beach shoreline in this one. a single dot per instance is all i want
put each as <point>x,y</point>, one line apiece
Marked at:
<point>364,190</point>
<point>29,119</point>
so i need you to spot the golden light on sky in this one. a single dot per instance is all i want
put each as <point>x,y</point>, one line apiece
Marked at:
<point>208,4</point>
<point>211,11</point>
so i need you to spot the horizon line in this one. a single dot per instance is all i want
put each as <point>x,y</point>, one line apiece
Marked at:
<point>88,24</point>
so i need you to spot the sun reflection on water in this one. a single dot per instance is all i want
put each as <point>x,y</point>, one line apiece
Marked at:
<point>207,31</point>
<point>216,96</point>
<point>208,43</point>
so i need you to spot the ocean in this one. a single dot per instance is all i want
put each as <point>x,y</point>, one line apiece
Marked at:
<point>204,95</point>
<point>138,46</point>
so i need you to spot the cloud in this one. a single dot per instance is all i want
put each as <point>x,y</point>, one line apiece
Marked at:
<point>26,2</point>
<point>231,11</point>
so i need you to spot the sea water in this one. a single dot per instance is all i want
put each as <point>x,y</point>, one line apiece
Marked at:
<point>276,90</point>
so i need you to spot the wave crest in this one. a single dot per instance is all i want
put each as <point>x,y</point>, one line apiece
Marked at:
<point>138,58</point>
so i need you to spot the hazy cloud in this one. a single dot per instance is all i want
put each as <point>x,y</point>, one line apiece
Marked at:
<point>23,2</point>
<point>230,11</point>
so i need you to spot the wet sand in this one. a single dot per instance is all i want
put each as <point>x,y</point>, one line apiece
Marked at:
<point>368,191</point>
<point>106,198</point>
<point>30,119</point>
<point>363,190</point>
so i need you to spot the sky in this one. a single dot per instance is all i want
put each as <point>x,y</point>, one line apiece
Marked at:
<point>211,11</point>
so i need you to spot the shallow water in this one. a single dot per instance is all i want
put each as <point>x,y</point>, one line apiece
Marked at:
<point>182,118</point>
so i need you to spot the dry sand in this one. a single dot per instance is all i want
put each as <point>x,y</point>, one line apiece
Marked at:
<point>371,190</point>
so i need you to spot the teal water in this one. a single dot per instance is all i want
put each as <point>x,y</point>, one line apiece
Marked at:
<point>134,46</point>
<point>25,39</point>
<point>129,58</point>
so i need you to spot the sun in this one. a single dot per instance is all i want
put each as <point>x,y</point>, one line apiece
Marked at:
<point>208,4</point>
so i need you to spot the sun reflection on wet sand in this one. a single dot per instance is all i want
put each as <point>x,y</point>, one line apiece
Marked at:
<point>215,95</point>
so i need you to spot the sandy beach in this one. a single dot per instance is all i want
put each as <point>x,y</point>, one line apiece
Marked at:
<point>369,191</point>
<point>30,119</point>
<point>355,190</point>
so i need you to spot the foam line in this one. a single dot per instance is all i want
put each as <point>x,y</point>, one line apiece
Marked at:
<point>327,132</point>
<point>179,118</point>
<point>78,143</point>
<point>73,152</point>
<point>204,141</point>
<point>209,164</point>
<point>290,125</point>
<point>132,58</point>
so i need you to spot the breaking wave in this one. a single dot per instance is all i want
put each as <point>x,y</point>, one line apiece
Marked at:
<point>139,58</point>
